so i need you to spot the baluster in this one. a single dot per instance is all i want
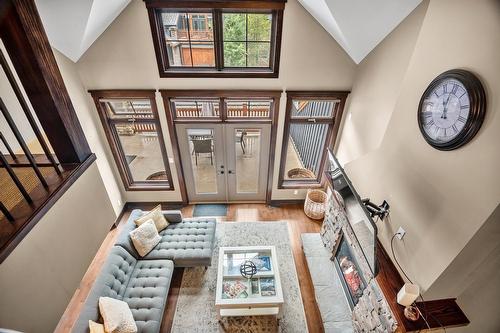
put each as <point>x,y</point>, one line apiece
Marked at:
<point>6,212</point>
<point>23,145</point>
<point>27,112</point>
<point>6,144</point>
<point>15,179</point>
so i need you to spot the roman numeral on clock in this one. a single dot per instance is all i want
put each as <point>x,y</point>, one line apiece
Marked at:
<point>462,119</point>
<point>454,90</point>
<point>455,129</point>
<point>430,123</point>
<point>463,107</point>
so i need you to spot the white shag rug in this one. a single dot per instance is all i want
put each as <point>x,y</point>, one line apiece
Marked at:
<point>195,311</point>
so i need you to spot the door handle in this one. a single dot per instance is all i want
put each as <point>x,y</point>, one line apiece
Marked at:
<point>221,172</point>
<point>231,172</point>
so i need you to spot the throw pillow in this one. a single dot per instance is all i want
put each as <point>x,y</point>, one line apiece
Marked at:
<point>157,216</point>
<point>145,237</point>
<point>117,316</point>
<point>96,327</point>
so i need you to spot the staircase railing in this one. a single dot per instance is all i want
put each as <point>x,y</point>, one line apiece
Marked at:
<point>32,163</point>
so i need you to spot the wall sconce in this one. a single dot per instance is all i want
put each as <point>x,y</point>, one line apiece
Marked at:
<point>406,297</point>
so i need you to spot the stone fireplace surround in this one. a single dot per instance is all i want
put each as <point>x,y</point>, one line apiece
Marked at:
<point>372,312</point>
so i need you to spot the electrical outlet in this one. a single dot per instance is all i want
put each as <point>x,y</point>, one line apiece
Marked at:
<point>400,233</point>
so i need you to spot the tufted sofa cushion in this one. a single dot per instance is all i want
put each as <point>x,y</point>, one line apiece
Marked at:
<point>147,291</point>
<point>188,243</point>
<point>142,284</point>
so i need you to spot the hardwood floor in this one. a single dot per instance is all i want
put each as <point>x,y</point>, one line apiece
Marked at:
<point>298,223</point>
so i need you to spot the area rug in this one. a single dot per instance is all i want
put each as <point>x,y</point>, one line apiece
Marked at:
<point>209,210</point>
<point>195,311</point>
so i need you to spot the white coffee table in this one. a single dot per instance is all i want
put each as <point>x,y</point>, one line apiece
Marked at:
<point>239,296</point>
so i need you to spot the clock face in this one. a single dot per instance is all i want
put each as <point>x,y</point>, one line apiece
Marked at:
<point>444,111</point>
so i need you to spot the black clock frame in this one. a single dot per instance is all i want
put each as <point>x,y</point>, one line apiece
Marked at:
<point>477,111</point>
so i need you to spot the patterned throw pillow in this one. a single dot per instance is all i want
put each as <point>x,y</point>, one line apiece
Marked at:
<point>145,237</point>
<point>117,316</point>
<point>96,327</point>
<point>157,216</point>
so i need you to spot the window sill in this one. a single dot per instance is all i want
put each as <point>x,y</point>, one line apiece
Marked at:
<point>299,184</point>
<point>265,73</point>
<point>152,187</point>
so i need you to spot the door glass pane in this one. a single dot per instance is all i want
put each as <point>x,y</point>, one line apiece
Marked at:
<point>313,109</point>
<point>306,145</point>
<point>202,150</point>
<point>142,152</point>
<point>247,145</point>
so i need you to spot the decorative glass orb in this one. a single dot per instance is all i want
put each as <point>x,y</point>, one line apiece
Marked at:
<point>248,269</point>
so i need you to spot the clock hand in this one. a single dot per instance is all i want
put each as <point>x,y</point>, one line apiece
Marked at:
<point>445,110</point>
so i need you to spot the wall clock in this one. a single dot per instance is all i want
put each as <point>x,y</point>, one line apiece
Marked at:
<point>452,109</point>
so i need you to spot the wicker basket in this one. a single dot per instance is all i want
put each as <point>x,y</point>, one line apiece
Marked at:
<point>301,173</point>
<point>315,204</point>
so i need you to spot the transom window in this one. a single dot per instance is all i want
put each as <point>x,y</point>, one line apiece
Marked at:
<point>188,106</point>
<point>130,120</point>
<point>311,125</point>
<point>220,39</point>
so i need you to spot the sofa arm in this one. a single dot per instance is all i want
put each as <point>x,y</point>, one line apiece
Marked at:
<point>173,216</point>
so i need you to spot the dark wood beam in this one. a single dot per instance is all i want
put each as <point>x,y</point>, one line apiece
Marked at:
<point>24,38</point>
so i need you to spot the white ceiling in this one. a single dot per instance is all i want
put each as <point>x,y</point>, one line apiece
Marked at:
<point>359,25</point>
<point>73,25</point>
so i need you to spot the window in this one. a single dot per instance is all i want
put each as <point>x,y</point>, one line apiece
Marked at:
<point>247,39</point>
<point>220,39</point>
<point>130,120</point>
<point>311,126</point>
<point>189,40</point>
<point>218,106</point>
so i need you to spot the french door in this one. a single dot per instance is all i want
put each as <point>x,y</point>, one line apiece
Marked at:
<point>225,162</point>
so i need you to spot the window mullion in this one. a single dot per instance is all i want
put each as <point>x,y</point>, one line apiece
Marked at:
<point>218,39</point>
<point>188,16</point>
<point>246,40</point>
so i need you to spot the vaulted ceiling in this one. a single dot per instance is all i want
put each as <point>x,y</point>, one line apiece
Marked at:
<point>357,25</point>
<point>73,25</point>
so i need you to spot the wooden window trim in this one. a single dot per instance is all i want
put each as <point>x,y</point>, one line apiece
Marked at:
<point>273,94</point>
<point>274,7</point>
<point>333,128</point>
<point>114,140</point>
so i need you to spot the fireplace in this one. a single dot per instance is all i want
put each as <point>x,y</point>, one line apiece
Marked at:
<point>349,271</point>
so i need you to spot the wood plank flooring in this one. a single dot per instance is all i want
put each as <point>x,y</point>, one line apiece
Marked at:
<point>298,223</point>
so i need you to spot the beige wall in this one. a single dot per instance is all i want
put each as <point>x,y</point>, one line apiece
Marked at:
<point>478,269</point>
<point>40,276</point>
<point>93,130</point>
<point>440,198</point>
<point>123,57</point>
<point>376,87</point>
